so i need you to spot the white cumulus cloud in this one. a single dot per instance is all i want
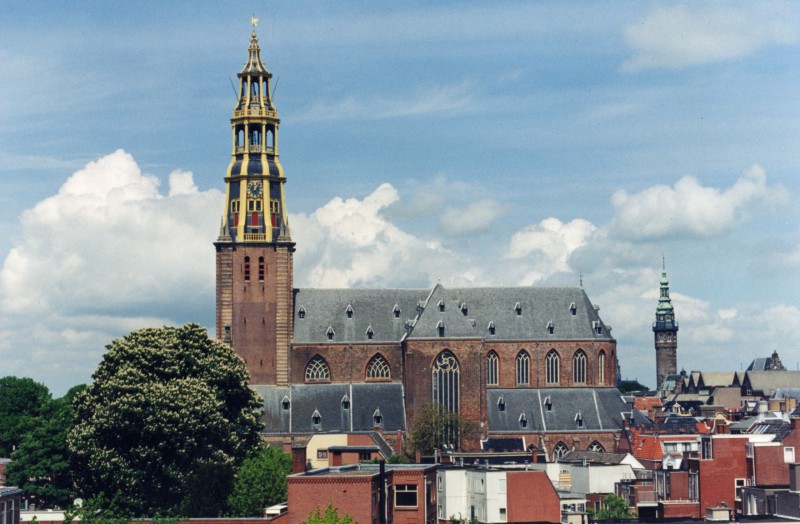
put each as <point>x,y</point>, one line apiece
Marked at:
<point>689,208</point>
<point>107,254</point>
<point>473,218</point>
<point>679,36</point>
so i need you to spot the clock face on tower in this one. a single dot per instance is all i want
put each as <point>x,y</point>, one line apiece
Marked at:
<point>254,189</point>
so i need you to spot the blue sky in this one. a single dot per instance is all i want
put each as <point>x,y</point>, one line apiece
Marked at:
<point>476,143</point>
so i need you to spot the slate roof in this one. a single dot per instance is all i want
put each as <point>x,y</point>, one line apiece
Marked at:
<point>778,427</point>
<point>342,408</point>
<point>712,379</point>
<point>599,408</point>
<point>519,313</point>
<point>781,393</point>
<point>769,381</point>
<point>316,310</point>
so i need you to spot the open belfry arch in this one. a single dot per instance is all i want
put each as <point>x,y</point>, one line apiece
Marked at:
<point>534,366</point>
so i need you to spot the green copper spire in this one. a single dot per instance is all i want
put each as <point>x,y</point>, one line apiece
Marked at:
<point>664,302</point>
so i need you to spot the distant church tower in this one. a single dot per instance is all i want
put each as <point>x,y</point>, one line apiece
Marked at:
<point>665,329</point>
<point>254,248</point>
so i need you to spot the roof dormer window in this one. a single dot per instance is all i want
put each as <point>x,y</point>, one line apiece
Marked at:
<point>370,332</point>
<point>523,421</point>
<point>573,309</point>
<point>331,333</point>
<point>440,305</point>
<point>377,419</point>
<point>491,328</point>
<point>548,404</point>
<point>301,313</point>
<point>464,309</point>
<point>598,327</point>
<point>550,327</point>
<point>396,311</point>
<point>345,402</point>
<point>579,419</point>
<point>285,403</point>
<point>440,328</point>
<point>316,420</point>
<point>518,309</point>
<point>349,311</point>
<point>501,404</point>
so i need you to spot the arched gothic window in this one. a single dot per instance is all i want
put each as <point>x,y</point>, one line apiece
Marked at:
<point>552,367</point>
<point>601,368</point>
<point>446,381</point>
<point>317,369</point>
<point>446,392</point>
<point>596,447</point>
<point>523,368</point>
<point>491,369</point>
<point>378,368</point>
<point>559,451</point>
<point>579,367</point>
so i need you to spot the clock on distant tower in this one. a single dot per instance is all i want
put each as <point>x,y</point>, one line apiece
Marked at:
<point>254,189</point>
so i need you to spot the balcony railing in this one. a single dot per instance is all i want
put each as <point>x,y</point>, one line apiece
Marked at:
<point>255,237</point>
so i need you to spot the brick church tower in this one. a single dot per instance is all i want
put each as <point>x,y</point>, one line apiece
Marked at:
<point>254,247</point>
<point>665,329</point>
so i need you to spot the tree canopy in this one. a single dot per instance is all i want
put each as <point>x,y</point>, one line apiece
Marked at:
<point>165,405</point>
<point>433,426</point>
<point>21,401</point>
<point>329,516</point>
<point>614,508</point>
<point>260,482</point>
<point>40,464</point>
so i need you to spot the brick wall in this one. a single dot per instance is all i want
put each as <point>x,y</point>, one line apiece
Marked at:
<point>531,497</point>
<point>347,362</point>
<point>355,495</point>
<point>769,467</point>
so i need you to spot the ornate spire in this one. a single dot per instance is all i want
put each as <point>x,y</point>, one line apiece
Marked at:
<point>664,302</point>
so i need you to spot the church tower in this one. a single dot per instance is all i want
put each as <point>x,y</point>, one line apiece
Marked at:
<point>254,247</point>
<point>665,329</point>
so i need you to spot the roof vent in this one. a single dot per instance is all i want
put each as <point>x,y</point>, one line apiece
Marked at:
<point>330,333</point>
<point>349,311</point>
<point>301,313</point>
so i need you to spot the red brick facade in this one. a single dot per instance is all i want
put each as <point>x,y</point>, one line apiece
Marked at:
<point>532,497</point>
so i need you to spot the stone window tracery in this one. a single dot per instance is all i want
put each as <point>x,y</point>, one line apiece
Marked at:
<point>317,369</point>
<point>378,367</point>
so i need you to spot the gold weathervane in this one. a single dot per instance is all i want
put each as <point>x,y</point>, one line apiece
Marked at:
<point>254,21</point>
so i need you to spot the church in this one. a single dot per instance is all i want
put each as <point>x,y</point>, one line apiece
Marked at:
<point>535,366</point>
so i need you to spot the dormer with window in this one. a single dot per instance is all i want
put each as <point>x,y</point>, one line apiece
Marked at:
<point>377,419</point>
<point>440,328</point>
<point>548,404</point>
<point>518,309</point>
<point>464,309</point>
<point>579,419</point>
<point>370,332</point>
<point>550,327</point>
<point>345,403</point>
<point>330,333</point>
<point>396,311</point>
<point>491,328</point>
<point>286,403</point>
<point>501,404</point>
<point>316,421</point>
<point>573,309</point>
<point>301,313</point>
<point>523,421</point>
<point>440,305</point>
<point>349,311</point>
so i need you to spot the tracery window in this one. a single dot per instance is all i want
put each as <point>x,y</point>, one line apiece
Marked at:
<point>579,367</point>
<point>601,368</point>
<point>559,451</point>
<point>378,368</point>
<point>491,369</point>
<point>446,391</point>
<point>317,369</point>
<point>596,447</point>
<point>552,367</point>
<point>523,368</point>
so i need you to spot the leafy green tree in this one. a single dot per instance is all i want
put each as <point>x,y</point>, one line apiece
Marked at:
<point>260,482</point>
<point>630,386</point>
<point>433,426</point>
<point>165,404</point>
<point>21,401</point>
<point>329,516</point>
<point>614,508</point>
<point>41,464</point>
<point>207,490</point>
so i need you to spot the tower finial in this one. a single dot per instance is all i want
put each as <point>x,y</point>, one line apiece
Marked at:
<point>254,21</point>
<point>663,262</point>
